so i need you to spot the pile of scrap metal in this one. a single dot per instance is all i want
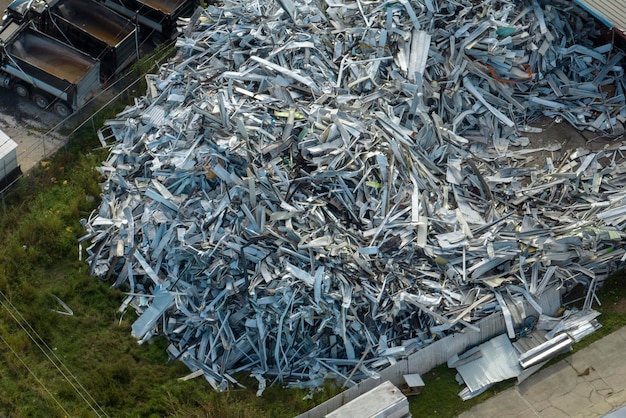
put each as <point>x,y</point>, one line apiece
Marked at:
<point>311,192</point>
<point>500,359</point>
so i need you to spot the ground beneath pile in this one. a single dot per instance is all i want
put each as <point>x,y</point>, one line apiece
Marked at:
<point>566,137</point>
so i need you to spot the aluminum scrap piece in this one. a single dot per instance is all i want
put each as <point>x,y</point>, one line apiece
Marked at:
<point>311,194</point>
<point>498,361</point>
<point>550,348</point>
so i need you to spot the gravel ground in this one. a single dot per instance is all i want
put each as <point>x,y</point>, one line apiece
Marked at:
<point>30,127</point>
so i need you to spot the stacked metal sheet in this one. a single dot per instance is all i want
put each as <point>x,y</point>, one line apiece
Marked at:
<point>310,192</point>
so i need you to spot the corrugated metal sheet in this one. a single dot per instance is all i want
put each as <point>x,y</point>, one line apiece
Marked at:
<point>610,12</point>
<point>154,116</point>
<point>530,341</point>
<point>498,362</point>
<point>420,362</point>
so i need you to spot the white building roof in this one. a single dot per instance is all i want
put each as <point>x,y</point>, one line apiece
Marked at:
<point>7,145</point>
<point>610,12</point>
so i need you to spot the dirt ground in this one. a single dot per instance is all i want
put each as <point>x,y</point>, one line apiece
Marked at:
<point>619,306</point>
<point>564,137</point>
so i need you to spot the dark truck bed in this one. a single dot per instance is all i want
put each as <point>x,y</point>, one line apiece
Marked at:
<point>165,6</point>
<point>157,16</point>
<point>87,25</point>
<point>95,19</point>
<point>51,66</point>
<point>97,30</point>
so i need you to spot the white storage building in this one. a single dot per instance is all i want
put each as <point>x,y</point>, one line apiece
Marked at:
<point>8,156</point>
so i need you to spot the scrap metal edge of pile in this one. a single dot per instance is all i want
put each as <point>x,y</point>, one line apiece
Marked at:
<point>310,192</point>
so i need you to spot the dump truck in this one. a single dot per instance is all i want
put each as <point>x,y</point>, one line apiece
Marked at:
<point>86,25</point>
<point>157,18</point>
<point>55,75</point>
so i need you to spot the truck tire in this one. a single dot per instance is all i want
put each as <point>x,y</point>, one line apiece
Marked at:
<point>41,100</point>
<point>62,109</point>
<point>21,90</point>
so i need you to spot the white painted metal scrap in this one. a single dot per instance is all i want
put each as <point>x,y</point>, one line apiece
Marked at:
<point>310,194</point>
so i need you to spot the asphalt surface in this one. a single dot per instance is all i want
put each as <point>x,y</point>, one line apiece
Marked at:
<point>590,383</point>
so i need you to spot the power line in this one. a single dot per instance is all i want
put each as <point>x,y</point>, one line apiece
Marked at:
<point>33,374</point>
<point>83,393</point>
<point>48,356</point>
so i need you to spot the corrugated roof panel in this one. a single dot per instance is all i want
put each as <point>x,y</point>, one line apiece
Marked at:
<point>154,116</point>
<point>610,12</point>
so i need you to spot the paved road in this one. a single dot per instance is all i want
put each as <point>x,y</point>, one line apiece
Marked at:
<point>590,383</point>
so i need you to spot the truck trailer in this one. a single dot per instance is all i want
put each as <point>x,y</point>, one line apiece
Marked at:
<point>157,18</point>
<point>86,25</point>
<point>55,75</point>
